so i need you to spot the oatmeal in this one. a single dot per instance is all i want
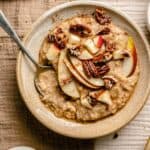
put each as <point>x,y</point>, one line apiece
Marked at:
<point>95,68</point>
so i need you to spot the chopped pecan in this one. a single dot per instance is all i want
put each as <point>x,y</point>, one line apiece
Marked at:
<point>102,58</point>
<point>104,31</point>
<point>90,69</point>
<point>109,82</point>
<point>98,59</point>
<point>60,38</point>
<point>80,30</point>
<point>59,30</point>
<point>110,47</point>
<point>102,70</point>
<point>92,101</point>
<point>51,38</point>
<point>101,17</point>
<point>74,51</point>
<point>93,70</point>
<point>86,68</point>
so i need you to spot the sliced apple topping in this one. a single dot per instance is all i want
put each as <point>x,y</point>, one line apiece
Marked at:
<point>128,56</point>
<point>120,54</point>
<point>85,55</point>
<point>85,102</point>
<point>77,64</point>
<point>74,39</point>
<point>91,47</point>
<point>52,53</point>
<point>65,78</point>
<point>77,75</point>
<point>79,52</point>
<point>98,41</point>
<point>102,96</point>
<point>129,63</point>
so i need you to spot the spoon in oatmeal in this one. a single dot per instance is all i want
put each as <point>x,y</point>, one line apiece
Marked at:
<point>4,23</point>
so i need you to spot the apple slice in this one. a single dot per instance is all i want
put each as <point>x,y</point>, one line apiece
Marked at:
<point>129,63</point>
<point>85,55</point>
<point>77,76</point>
<point>102,96</point>
<point>77,64</point>
<point>89,44</point>
<point>85,102</point>
<point>84,97</point>
<point>52,53</point>
<point>74,39</point>
<point>120,54</point>
<point>65,79</point>
<point>98,41</point>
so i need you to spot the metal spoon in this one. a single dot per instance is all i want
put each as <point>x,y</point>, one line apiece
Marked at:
<point>4,23</point>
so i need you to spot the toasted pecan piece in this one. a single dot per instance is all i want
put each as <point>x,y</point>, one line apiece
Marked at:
<point>80,30</point>
<point>109,82</point>
<point>101,17</point>
<point>110,47</point>
<point>105,31</point>
<point>59,38</point>
<point>85,64</point>
<point>102,70</point>
<point>51,38</point>
<point>93,70</point>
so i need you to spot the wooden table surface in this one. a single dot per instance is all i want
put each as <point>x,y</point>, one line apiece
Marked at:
<point>18,126</point>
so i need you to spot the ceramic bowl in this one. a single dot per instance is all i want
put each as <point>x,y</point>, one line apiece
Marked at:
<point>26,72</point>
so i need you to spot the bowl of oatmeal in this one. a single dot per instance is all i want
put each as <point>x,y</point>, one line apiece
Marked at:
<point>98,79</point>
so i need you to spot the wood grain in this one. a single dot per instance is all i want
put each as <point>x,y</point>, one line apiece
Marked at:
<point>18,126</point>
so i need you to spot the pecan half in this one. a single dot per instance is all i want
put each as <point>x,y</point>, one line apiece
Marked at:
<point>90,68</point>
<point>109,82</point>
<point>92,101</point>
<point>80,30</point>
<point>60,38</point>
<point>98,60</point>
<point>93,70</point>
<point>101,17</point>
<point>104,31</point>
<point>86,68</point>
<point>102,70</point>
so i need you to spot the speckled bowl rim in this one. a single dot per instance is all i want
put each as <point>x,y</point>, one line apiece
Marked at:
<point>18,70</point>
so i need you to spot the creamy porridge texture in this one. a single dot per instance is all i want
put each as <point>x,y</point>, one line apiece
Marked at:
<point>95,68</point>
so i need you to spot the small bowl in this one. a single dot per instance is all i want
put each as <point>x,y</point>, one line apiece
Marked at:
<point>26,73</point>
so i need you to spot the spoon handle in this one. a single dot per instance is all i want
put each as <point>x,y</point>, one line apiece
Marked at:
<point>4,23</point>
